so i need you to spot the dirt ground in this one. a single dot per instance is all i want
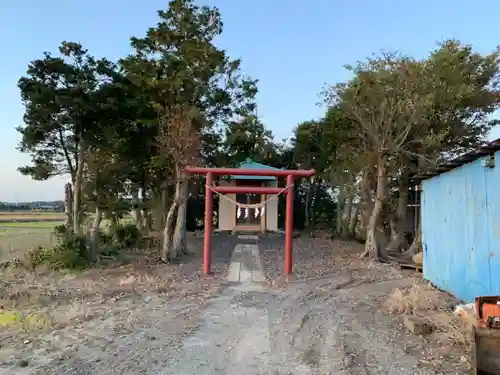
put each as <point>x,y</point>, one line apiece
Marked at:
<point>340,315</point>
<point>47,318</point>
<point>364,303</point>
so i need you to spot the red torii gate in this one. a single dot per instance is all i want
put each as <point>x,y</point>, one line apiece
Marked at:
<point>210,188</point>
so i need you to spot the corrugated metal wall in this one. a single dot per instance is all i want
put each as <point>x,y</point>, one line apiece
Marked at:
<point>493,217</point>
<point>461,230</point>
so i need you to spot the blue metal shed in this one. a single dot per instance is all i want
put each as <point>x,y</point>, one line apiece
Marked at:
<point>460,223</point>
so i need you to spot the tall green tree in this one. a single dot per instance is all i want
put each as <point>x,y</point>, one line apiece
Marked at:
<point>58,93</point>
<point>193,87</point>
<point>247,138</point>
<point>307,142</point>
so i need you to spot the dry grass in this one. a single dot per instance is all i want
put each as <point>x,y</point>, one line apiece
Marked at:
<point>31,215</point>
<point>451,336</point>
<point>346,255</point>
<point>421,297</point>
<point>20,288</point>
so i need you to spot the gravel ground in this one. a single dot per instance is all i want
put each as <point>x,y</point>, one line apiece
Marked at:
<point>312,257</point>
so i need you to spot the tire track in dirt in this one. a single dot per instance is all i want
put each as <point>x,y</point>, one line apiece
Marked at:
<point>334,329</point>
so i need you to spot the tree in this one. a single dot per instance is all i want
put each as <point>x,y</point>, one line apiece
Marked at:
<point>57,93</point>
<point>407,112</point>
<point>247,138</point>
<point>327,145</point>
<point>178,68</point>
<point>464,99</point>
<point>465,95</point>
<point>307,143</point>
<point>385,100</point>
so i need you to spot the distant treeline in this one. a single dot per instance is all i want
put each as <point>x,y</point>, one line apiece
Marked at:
<point>32,206</point>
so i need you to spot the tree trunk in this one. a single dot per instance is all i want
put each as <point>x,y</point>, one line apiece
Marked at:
<point>338,216</point>
<point>136,211</point>
<point>398,221</point>
<point>93,249</point>
<point>169,249</point>
<point>179,239</point>
<point>346,216</point>
<point>145,214</point>
<point>144,223</point>
<point>113,223</point>
<point>371,245</point>
<point>166,253</point>
<point>366,202</point>
<point>77,192</point>
<point>148,221</point>
<point>161,207</point>
<point>341,201</point>
<point>354,220</point>
<point>314,201</point>
<point>307,208</point>
<point>68,206</point>
<point>416,245</point>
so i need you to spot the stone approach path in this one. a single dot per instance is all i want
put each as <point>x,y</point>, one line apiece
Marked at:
<point>245,263</point>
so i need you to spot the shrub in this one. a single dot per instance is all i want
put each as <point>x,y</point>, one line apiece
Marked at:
<point>37,256</point>
<point>109,249</point>
<point>127,235</point>
<point>106,238</point>
<point>70,252</point>
<point>61,232</point>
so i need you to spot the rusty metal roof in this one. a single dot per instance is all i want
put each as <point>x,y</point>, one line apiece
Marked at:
<point>488,149</point>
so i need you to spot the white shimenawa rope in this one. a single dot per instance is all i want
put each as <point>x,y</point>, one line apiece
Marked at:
<point>255,206</point>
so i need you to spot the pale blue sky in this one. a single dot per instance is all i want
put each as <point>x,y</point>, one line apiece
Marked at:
<point>293,47</point>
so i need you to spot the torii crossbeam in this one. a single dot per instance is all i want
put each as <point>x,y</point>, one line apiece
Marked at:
<point>210,189</point>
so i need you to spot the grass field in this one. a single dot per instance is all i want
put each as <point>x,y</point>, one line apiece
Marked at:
<point>15,241</point>
<point>21,231</point>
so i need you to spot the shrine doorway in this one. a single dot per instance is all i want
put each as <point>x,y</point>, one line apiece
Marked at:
<point>250,219</point>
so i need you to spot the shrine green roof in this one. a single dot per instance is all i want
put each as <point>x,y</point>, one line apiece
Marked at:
<point>250,164</point>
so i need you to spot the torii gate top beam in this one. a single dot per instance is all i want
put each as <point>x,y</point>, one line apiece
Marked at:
<point>252,172</point>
